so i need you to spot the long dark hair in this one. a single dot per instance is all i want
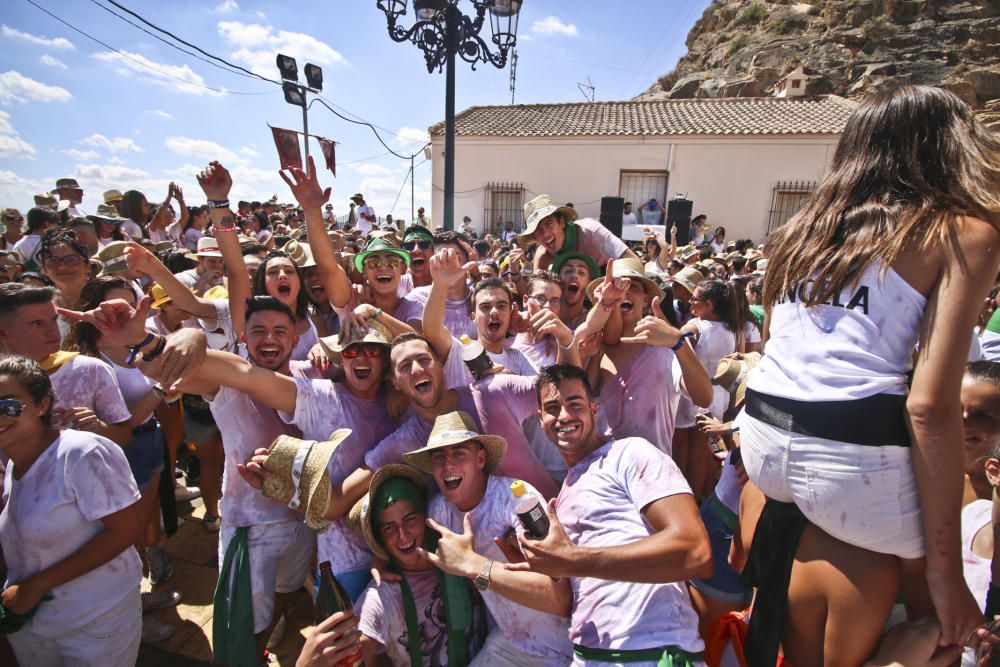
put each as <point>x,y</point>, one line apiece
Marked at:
<point>720,294</point>
<point>131,207</point>
<point>260,282</point>
<point>29,374</point>
<point>909,163</point>
<point>92,295</point>
<point>739,291</point>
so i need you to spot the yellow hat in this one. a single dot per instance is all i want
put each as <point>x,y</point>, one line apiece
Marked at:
<point>217,293</point>
<point>159,296</point>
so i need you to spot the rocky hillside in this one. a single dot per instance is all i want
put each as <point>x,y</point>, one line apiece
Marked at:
<point>743,48</point>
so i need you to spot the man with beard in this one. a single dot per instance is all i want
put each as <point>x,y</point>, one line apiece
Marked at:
<point>557,230</point>
<point>475,513</point>
<point>576,270</point>
<point>626,533</point>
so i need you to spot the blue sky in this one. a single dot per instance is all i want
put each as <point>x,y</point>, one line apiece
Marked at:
<point>71,107</point>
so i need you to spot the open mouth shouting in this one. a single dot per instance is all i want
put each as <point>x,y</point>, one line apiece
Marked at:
<point>417,262</point>
<point>452,481</point>
<point>407,549</point>
<point>626,306</point>
<point>573,288</point>
<point>494,326</point>
<point>423,387</point>
<point>284,290</point>
<point>384,278</point>
<point>269,352</point>
<point>362,371</point>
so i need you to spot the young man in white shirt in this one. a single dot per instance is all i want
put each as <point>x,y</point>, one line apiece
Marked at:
<point>365,215</point>
<point>628,215</point>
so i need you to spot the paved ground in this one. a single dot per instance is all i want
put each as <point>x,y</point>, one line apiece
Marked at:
<point>193,552</point>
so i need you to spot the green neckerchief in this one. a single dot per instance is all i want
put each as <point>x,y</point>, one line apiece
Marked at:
<point>11,622</point>
<point>232,625</point>
<point>666,656</point>
<point>569,244</point>
<point>457,613</point>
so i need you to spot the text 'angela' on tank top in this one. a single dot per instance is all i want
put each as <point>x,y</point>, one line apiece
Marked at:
<point>854,346</point>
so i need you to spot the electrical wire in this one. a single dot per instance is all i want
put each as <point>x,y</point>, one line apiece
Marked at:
<point>367,124</point>
<point>137,61</point>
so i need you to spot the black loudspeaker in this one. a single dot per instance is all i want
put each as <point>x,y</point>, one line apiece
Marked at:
<point>612,210</point>
<point>679,208</point>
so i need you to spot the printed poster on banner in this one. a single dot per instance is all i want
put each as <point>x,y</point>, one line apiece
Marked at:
<point>287,143</point>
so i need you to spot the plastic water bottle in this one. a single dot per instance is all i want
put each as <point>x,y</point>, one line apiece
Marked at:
<point>530,511</point>
<point>475,357</point>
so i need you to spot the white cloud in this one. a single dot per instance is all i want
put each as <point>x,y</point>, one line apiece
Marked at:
<point>52,62</point>
<point>249,152</point>
<point>11,143</point>
<point>551,25</point>
<point>100,177</point>
<point>227,6</point>
<point>78,154</point>
<point>369,169</point>
<point>15,87</point>
<point>15,188</point>
<point>408,136</point>
<point>202,148</point>
<point>159,113</point>
<point>261,15</point>
<point>180,78</point>
<point>53,43</point>
<point>266,41</point>
<point>250,183</point>
<point>115,145</point>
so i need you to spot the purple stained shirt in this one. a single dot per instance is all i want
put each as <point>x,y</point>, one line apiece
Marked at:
<point>641,399</point>
<point>596,240</point>
<point>457,318</point>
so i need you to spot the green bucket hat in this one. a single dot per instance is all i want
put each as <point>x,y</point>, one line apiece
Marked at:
<point>562,258</point>
<point>379,246</point>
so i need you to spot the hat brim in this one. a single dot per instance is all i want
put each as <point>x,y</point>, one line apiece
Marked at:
<point>160,302</point>
<point>652,289</point>
<point>532,222</point>
<point>315,481</point>
<point>360,515</point>
<point>689,285</point>
<point>359,259</point>
<point>332,346</point>
<point>495,446</point>
<point>209,253</point>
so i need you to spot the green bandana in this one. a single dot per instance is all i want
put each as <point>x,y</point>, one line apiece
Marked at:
<point>417,230</point>
<point>392,491</point>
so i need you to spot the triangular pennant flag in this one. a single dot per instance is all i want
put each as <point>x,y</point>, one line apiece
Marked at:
<point>287,143</point>
<point>327,147</point>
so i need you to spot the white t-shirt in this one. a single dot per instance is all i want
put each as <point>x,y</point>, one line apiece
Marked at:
<point>169,233</point>
<point>86,382</point>
<point>53,510</point>
<point>751,334</point>
<point>534,632</point>
<point>381,616</point>
<point>322,407</point>
<point>976,516</point>
<point>600,505</point>
<point>364,226</point>
<point>246,425</point>
<point>717,248</point>
<point>132,229</point>
<point>27,247</point>
<point>457,374</point>
<point>629,219</point>
<point>652,216</point>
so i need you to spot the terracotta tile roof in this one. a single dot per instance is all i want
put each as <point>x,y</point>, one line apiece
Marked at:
<point>733,116</point>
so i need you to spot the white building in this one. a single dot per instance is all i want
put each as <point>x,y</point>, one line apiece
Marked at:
<point>747,163</point>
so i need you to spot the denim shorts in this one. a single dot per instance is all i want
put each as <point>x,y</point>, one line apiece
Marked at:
<point>863,495</point>
<point>145,453</point>
<point>724,585</point>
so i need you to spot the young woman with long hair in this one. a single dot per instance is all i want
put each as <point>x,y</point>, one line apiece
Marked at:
<point>898,245</point>
<point>71,516</point>
<point>715,331</point>
<point>750,329</point>
<point>193,228</point>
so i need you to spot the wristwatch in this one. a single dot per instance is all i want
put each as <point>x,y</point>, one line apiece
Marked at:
<point>482,582</point>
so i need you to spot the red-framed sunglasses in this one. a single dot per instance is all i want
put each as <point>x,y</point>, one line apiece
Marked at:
<point>370,350</point>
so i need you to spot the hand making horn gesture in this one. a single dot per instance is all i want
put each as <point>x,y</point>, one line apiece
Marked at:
<point>654,329</point>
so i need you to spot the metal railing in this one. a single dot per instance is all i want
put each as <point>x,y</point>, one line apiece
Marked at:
<point>787,197</point>
<point>504,202</point>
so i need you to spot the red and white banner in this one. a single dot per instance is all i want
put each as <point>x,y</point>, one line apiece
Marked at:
<point>287,143</point>
<point>327,146</point>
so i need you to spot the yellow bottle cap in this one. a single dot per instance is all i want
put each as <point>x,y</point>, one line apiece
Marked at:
<point>517,488</point>
<point>464,339</point>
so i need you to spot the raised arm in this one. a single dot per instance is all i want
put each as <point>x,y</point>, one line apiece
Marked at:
<point>159,220</point>
<point>216,182</point>
<point>142,260</point>
<point>446,270</point>
<point>311,197</point>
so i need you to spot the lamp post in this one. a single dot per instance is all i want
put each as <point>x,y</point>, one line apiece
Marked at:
<point>295,93</point>
<point>442,31</point>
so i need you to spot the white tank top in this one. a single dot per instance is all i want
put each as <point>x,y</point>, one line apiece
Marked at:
<point>857,345</point>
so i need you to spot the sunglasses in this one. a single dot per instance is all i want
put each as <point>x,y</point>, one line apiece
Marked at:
<point>11,407</point>
<point>55,262</point>
<point>376,263</point>
<point>424,244</point>
<point>370,350</point>
<point>13,217</point>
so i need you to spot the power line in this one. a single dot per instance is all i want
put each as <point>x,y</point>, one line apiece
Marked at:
<point>367,124</point>
<point>137,61</point>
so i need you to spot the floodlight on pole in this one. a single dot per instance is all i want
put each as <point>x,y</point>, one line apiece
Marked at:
<point>314,77</point>
<point>288,68</point>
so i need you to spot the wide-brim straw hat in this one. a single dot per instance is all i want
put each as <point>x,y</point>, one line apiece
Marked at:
<point>298,474</point>
<point>67,184</point>
<point>732,372</point>
<point>113,258</point>
<point>164,246</point>
<point>360,516</point>
<point>542,207</point>
<point>376,333</point>
<point>112,196</point>
<point>688,277</point>
<point>455,428</point>
<point>633,269</point>
<point>761,266</point>
<point>300,253</point>
<point>106,212</point>
<point>379,246</point>
<point>208,247</point>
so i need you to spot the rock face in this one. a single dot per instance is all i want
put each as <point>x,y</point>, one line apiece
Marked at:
<point>745,48</point>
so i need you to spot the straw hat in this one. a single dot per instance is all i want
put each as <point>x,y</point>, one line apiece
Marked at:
<point>159,296</point>
<point>732,373</point>
<point>455,428</point>
<point>300,253</point>
<point>112,196</point>
<point>217,293</point>
<point>632,269</point>
<point>360,516</point>
<point>113,257</point>
<point>163,246</point>
<point>208,247</point>
<point>688,277</point>
<point>377,333</point>
<point>542,207</point>
<point>761,266</point>
<point>106,212</point>
<point>298,474</point>
<point>67,184</point>
<point>379,246</point>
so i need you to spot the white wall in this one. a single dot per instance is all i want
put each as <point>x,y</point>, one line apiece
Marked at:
<point>730,179</point>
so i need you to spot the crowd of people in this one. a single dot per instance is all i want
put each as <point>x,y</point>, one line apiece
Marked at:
<point>742,454</point>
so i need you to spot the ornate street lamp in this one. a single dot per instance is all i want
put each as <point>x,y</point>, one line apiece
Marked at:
<point>442,31</point>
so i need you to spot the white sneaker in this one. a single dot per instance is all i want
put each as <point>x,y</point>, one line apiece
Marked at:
<point>154,632</point>
<point>277,634</point>
<point>183,494</point>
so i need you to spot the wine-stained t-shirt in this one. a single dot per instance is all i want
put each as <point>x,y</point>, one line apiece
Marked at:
<point>600,505</point>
